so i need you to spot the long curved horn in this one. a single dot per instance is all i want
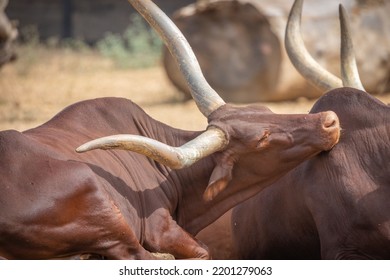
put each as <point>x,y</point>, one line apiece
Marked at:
<point>206,98</point>
<point>300,57</point>
<point>210,141</point>
<point>349,70</point>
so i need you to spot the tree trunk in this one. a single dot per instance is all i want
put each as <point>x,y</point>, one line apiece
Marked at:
<point>240,46</point>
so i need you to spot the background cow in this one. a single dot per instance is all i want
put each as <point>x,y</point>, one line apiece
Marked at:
<point>335,205</point>
<point>56,203</point>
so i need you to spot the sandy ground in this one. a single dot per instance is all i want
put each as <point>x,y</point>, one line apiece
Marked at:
<point>43,82</point>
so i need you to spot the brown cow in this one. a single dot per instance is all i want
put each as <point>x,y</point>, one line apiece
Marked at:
<point>335,205</point>
<point>56,203</point>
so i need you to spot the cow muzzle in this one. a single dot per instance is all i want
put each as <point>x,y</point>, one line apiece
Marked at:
<point>331,128</point>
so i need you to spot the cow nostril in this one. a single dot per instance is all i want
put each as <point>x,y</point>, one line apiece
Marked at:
<point>330,123</point>
<point>330,120</point>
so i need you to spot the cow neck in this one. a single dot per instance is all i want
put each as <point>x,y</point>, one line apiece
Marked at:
<point>193,213</point>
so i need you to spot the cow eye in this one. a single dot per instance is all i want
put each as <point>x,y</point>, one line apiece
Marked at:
<point>263,140</point>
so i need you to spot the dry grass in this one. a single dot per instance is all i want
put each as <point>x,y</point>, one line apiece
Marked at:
<point>32,92</point>
<point>44,81</point>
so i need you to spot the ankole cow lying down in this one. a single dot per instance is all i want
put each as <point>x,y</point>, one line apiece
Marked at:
<point>57,203</point>
<point>337,204</point>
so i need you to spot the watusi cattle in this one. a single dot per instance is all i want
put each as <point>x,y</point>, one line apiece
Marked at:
<point>336,204</point>
<point>57,203</point>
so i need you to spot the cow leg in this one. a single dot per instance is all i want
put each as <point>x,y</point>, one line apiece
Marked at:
<point>164,235</point>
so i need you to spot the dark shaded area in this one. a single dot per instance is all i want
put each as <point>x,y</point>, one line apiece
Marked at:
<point>238,51</point>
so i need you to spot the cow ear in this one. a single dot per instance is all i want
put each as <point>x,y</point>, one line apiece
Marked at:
<point>221,176</point>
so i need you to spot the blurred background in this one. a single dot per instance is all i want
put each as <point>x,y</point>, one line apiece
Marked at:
<point>57,52</point>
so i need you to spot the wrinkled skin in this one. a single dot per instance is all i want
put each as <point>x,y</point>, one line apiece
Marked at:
<point>333,206</point>
<point>56,203</point>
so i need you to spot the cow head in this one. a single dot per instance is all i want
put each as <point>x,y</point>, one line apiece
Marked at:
<point>248,138</point>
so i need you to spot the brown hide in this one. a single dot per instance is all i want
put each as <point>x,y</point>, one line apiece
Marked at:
<point>334,206</point>
<point>56,203</point>
<point>218,238</point>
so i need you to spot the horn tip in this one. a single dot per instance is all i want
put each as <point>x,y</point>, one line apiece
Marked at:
<point>342,10</point>
<point>84,148</point>
<point>81,149</point>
